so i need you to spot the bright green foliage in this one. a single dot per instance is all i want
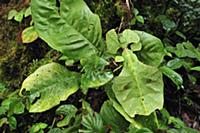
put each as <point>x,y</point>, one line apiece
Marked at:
<point>29,35</point>
<point>18,16</point>
<point>73,30</point>
<point>127,69</point>
<point>68,111</point>
<point>49,85</point>
<point>38,128</point>
<point>197,68</point>
<point>174,76</point>
<point>95,75</point>
<point>152,52</point>
<point>128,37</point>
<point>112,42</point>
<point>139,87</point>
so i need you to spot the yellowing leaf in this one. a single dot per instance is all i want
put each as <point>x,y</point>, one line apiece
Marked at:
<point>29,35</point>
<point>49,85</point>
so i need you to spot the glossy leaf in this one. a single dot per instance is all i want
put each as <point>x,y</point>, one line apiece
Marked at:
<point>139,87</point>
<point>152,52</point>
<point>95,75</point>
<point>29,35</point>
<point>49,85</point>
<point>72,29</point>
<point>174,76</point>
<point>175,63</point>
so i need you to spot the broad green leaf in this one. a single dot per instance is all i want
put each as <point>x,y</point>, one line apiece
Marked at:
<point>112,41</point>
<point>174,76</point>
<point>197,68</point>
<point>95,75</point>
<point>37,127</point>
<point>150,121</point>
<point>119,108</point>
<point>152,52</point>
<point>72,29</point>
<point>139,87</point>
<point>49,85</point>
<point>12,14</point>
<point>128,37</point>
<point>29,35</point>
<point>68,111</point>
<point>92,123</point>
<point>112,118</point>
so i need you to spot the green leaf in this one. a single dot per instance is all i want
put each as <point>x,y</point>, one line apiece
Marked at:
<point>119,108</point>
<point>192,51</point>
<point>29,35</point>
<point>12,14</point>
<point>19,16</point>
<point>174,76</point>
<point>13,104</point>
<point>175,63</point>
<point>92,123</point>
<point>112,118</point>
<point>119,59</point>
<point>68,111</point>
<point>140,19</point>
<point>112,41</point>
<point>72,29</point>
<point>197,68</point>
<point>3,121</point>
<point>168,24</point>
<point>38,127</point>
<point>27,12</point>
<point>136,47</point>
<point>95,75</point>
<point>137,86</point>
<point>152,52</point>
<point>49,85</point>
<point>12,122</point>
<point>128,37</point>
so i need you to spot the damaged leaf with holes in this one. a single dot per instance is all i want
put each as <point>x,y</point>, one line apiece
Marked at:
<point>49,85</point>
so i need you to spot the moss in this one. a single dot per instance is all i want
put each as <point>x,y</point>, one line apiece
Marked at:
<point>15,56</point>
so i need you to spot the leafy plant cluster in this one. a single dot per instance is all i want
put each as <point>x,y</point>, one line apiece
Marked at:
<point>128,65</point>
